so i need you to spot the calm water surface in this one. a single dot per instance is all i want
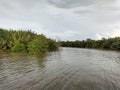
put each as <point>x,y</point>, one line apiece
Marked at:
<point>67,69</point>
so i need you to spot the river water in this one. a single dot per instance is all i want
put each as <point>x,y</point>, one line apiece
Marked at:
<point>67,69</point>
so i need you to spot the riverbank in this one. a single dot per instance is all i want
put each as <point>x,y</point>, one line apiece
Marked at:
<point>26,41</point>
<point>108,44</point>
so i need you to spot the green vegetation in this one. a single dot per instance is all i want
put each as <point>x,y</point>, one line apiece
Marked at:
<point>110,43</point>
<point>25,41</point>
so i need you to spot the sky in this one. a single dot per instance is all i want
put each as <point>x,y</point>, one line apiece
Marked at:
<point>63,19</point>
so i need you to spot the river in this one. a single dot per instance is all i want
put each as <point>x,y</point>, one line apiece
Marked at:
<point>67,69</point>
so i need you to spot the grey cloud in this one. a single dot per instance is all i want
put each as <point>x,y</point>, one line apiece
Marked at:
<point>76,3</point>
<point>113,8</point>
<point>66,19</point>
<point>83,12</point>
<point>71,3</point>
<point>20,4</point>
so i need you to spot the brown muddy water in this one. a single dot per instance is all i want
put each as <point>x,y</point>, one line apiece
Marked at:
<point>67,69</point>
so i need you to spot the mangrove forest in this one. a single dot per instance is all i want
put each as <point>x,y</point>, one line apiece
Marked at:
<point>25,41</point>
<point>110,43</point>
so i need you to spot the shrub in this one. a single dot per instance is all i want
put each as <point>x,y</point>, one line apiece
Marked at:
<point>38,45</point>
<point>18,47</point>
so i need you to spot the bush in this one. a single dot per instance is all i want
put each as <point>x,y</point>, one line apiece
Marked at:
<point>18,47</point>
<point>25,41</point>
<point>38,45</point>
<point>52,45</point>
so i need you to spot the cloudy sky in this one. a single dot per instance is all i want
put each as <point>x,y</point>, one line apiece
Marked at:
<point>63,19</point>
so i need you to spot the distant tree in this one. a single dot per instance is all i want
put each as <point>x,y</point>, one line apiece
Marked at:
<point>110,43</point>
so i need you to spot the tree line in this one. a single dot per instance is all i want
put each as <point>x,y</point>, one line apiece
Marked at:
<point>25,41</point>
<point>110,43</point>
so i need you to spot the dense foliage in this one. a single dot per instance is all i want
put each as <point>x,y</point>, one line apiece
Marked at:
<point>25,41</point>
<point>110,43</point>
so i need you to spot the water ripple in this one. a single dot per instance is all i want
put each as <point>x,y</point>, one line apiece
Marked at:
<point>68,69</point>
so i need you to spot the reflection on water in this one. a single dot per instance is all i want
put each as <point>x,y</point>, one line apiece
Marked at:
<point>67,69</point>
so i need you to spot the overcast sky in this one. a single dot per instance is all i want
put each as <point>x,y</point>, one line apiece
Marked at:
<point>63,19</point>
